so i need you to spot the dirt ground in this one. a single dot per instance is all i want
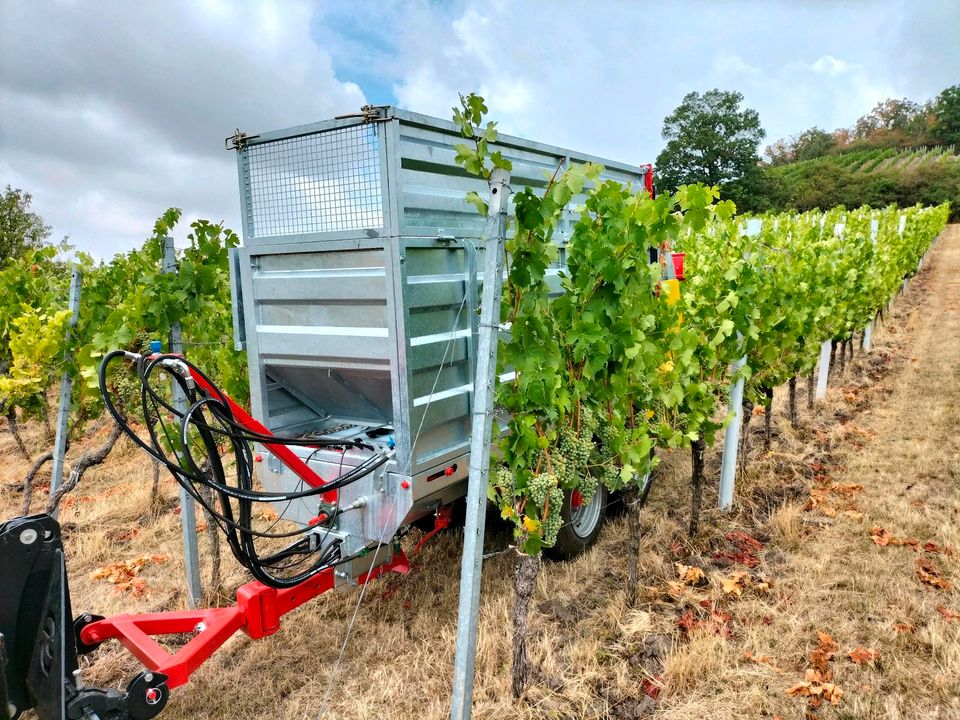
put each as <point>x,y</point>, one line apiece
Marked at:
<point>830,592</point>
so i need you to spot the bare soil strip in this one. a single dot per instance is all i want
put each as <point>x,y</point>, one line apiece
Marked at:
<point>836,579</point>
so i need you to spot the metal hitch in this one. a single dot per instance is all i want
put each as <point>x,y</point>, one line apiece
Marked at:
<point>38,638</point>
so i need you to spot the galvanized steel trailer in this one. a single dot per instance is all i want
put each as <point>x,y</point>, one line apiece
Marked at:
<point>355,297</point>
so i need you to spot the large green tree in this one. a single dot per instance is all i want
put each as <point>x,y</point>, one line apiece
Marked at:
<point>20,229</point>
<point>712,139</point>
<point>946,117</point>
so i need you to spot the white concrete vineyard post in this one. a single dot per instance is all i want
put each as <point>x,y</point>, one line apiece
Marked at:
<point>731,441</point>
<point>823,370</point>
<point>731,435</point>
<point>867,342</point>
<point>823,367</point>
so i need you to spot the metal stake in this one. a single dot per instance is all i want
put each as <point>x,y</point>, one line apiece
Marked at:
<point>66,390</point>
<point>868,336</point>
<point>731,441</point>
<point>470,570</point>
<point>188,517</point>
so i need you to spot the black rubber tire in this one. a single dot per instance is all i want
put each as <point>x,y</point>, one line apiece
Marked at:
<point>571,543</point>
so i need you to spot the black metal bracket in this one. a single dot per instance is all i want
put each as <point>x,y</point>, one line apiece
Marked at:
<point>38,638</point>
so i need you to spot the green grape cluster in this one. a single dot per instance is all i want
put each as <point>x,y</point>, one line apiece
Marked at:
<point>540,486</point>
<point>611,441</point>
<point>553,520</point>
<point>610,475</point>
<point>588,487</point>
<point>504,479</point>
<point>576,449</point>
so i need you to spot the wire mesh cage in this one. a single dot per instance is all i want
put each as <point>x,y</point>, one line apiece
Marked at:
<point>322,182</point>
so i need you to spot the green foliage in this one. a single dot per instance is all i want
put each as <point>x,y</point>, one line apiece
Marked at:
<point>606,371</point>
<point>878,177</point>
<point>612,367</point>
<point>946,117</point>
<point>21,230</point>
<point>711,139</point>
<point>894,118</point>
<point>124,304</point>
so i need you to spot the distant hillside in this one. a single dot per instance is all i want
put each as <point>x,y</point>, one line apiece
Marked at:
<point>882,158</point>
<point>876,176</point>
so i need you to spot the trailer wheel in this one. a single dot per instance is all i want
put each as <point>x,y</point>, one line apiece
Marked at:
<point>582,523</point>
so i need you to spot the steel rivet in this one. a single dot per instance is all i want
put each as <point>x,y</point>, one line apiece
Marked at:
<point>148,677</point>
<point>28,536</point>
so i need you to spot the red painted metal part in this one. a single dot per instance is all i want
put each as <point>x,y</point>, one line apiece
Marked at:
<point>678,261</point>
<point>258,609</point>
<point>258,612</point>
<point>576,499</point>
<point>440,521</point>
<point>648,179</point>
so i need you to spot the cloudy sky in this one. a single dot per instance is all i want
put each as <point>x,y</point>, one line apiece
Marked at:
<point>112,111</point>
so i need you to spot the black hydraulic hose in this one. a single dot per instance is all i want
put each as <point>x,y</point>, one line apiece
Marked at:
<point>208,418</point>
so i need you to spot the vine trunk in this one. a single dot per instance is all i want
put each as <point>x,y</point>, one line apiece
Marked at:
<point>525,573</point>
<point>768,419</point>
<point>793,402</point>
<point>698,449</point>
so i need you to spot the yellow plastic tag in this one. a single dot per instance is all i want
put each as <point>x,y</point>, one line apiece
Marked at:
<point>671,291</point>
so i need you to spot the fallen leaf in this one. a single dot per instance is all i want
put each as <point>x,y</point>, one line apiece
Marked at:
<point>882,536</point>
<point>861,655</point>
<point>829,511</point>
<point>744,540</point>
<point>904,627</point>
<point>928,574</point>
<point>674,588</point>
<point>128,535</point>
<point>802,688</point>
<point>690,574</point>
<point>651,687</point>
<point>948,614</point>
<point>267,514</point>
<point>123,574</point>
<point>716,623</point>
<point>826,641</point>
<point>821,655</point>
<point>846,489</point>
<point>855,514</point>
<point>732,585</point>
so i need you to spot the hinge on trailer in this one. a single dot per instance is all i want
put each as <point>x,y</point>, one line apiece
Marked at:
<point>237,141</point>
<point>369,114</point>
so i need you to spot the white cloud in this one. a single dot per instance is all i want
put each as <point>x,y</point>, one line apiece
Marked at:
<point>730,64</point>
<point>114,111</point>
<point>830,65</point>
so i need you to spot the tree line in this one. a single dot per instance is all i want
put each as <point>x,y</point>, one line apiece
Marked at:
<point>713,138</point>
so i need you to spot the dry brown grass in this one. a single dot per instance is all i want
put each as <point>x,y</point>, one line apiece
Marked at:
<point>890,424</point>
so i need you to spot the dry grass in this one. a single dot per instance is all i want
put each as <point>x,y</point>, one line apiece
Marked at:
<point>890,424</point>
